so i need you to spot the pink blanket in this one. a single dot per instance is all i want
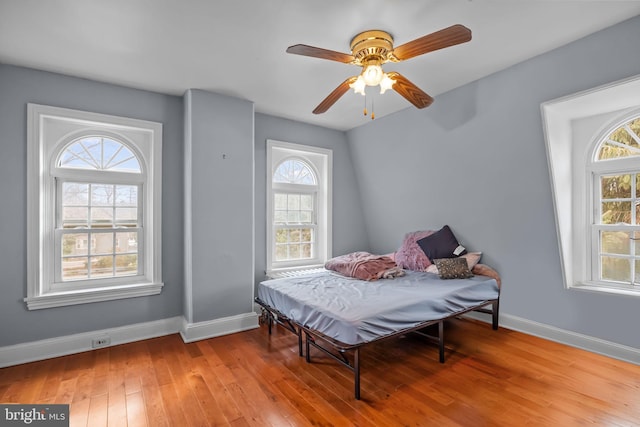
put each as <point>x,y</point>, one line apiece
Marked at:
<point>365,266</point>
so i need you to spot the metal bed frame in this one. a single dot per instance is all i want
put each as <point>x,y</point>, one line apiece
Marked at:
<point>338,350</point>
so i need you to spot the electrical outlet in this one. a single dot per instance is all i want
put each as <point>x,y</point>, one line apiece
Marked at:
<point>100,342</point>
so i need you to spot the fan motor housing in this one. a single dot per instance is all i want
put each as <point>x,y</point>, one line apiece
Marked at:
<point>372,45</point>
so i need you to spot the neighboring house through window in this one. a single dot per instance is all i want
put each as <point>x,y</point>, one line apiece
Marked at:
<point>94,207</point>
<point>298,206</point>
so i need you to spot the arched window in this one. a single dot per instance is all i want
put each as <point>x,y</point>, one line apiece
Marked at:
<point>104,211</point>
<point>99,153</point>
<point>615,225</point>
<point>94,207</point>
<point>298,206</point>
<point>294,171</point>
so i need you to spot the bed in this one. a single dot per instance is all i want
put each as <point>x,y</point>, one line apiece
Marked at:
<point>340,315</point>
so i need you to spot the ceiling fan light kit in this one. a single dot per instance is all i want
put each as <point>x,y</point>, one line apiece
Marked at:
<point>370,50</point>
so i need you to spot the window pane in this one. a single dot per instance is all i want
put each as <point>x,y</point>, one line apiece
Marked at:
<point>126,195</point>
<point>75,216</point>
<point>622,142</point>
<point>281,252</point>
<point>126,217</point>
<point>615,242</point>
<point>616,186</point>
<point>293,202</point>
<point>294,235</point>
<point>305,217</point>
<point>616,213</point>
<point>102,243</point>
<point>293,217</point>
<point>306,202</point>
<point>280,217</point>
<point>74,268</point>
<point>280,201</point>
<point>126,242</point>
<point>294,171</point>
<point>281,236</point>
<point>306,235</point>
<point>75,244</point>
<point>305,250</point>
<point>294,251</point>
<point>616,269</point>
<point>99,153</point>
<point>102,217</point>
<point>126,265</point>
<point>101,266</point>
<point>76,194</point>
<point>102,194</point>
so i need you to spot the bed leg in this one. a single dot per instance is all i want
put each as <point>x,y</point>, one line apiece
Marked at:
<point>307,347</point>
<point>495,308</point>
<point>269,322</point>
<point>441,340</point>
<point>300,343</point>
<point>356,372</point>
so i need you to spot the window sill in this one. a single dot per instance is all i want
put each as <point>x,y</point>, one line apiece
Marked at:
<point>628,290</point>
<point>60,299</point>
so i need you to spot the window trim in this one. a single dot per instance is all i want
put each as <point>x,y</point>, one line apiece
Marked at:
<point>568,157</point>
<point>321,162</point>
<point>64,125</point>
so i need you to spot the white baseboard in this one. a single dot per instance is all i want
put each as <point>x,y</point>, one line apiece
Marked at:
<point>214,328</point>
<point>77,343</point>
<point>573,339</point>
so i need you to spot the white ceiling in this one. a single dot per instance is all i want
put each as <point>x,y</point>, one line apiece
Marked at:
<point>237,47</point>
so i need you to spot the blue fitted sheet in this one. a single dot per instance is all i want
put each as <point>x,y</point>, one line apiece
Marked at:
<point>356,311</point>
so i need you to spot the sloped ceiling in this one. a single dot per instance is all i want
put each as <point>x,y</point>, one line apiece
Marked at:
<point>237,47</point>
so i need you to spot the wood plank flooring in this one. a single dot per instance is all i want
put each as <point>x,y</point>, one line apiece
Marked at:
<point>489,378</point>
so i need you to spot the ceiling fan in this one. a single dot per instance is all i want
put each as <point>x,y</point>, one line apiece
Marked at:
<point>371,49</point>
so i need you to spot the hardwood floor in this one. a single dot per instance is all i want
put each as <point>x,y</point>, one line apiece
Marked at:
<point>489,378</point>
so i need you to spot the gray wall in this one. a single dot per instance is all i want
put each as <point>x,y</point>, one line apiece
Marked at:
<point>476,160</point>
<point>19,86</point>
<point>219,132</point>
<point>348,226</point>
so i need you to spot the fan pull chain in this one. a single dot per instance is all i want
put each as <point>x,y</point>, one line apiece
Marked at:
<point>365,103</point>
<point>373,113</point>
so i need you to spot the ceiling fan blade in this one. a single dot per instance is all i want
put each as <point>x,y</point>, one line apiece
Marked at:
<point>409,91</point>
<point>450,36</point>
<point>317,52</point>
<point>334,96</point>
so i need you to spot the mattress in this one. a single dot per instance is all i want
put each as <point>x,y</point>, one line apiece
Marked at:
<point>356,311</point>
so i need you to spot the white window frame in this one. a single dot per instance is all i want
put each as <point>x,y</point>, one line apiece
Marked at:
<point>597,169</point>
<point>50,130</point>
<point>321,162</point>
<point>572,126</point>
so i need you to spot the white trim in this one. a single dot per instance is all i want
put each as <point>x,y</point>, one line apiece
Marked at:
<point>562,336</point>
<point>188,206</point>
<point>59,299</point>
<point>49,130</point>
<point>321,162</point>
<point>214,328</point>
<point>557,118</point>
<point>77,343</point>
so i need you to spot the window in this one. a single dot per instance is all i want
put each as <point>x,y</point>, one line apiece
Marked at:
<point>298,206</point>
<point>615,224</point>
<point>594,166</point>
<point>94,207</point>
